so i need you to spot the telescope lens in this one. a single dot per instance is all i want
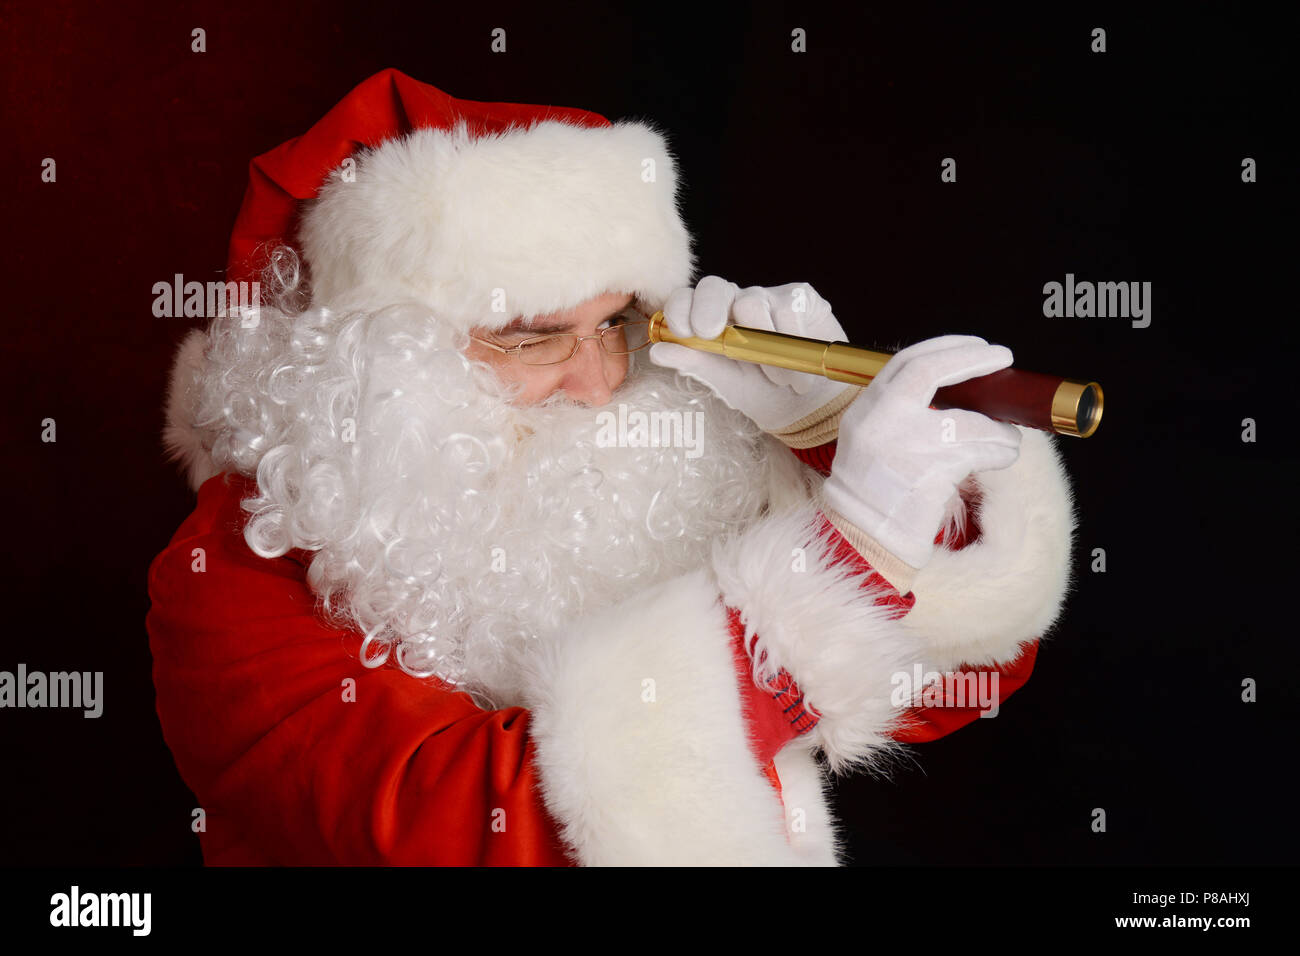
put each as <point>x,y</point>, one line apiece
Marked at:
<point>1089,410</point>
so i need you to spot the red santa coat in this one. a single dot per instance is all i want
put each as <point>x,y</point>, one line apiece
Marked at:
<point>300,755</point>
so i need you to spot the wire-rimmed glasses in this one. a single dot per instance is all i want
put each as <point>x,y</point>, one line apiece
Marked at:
<point>630,333</point>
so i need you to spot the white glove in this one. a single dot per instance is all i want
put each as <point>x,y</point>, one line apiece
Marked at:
<point>773,398</point>
<point>899,462</point>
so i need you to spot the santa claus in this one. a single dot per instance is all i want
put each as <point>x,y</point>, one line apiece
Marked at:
<point>427,610</point>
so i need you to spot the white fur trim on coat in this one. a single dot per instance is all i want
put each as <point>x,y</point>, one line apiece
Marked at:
<point>547,217</point>
<point>812,829</point>
<point>641,745</point>
<point>815,620</point>
<point>980,605</point>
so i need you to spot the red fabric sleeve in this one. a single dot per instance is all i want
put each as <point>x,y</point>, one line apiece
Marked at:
<point>775,715</point>
<point>820,458</point>
<point>778,713</point>
<point>922,724</point>
<point>290,766</point>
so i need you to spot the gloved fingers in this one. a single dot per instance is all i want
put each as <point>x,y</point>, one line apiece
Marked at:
<point>677,312</point>
<point>700,312</point>
<point>987,456</point>
<point>681,358</point>
<point>710,307</point>
<point>958,426</point>
<point>801,383</point>
<point>770,310</point>
<point>920,378</point>
<point>723,376</point>
<point>752,309</point>
<point>814,318</point>
<point>795,309</point>
<point>907,355</point>
<point>964,442</point>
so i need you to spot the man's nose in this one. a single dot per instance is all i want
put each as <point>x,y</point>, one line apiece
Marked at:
<point>589,378</point>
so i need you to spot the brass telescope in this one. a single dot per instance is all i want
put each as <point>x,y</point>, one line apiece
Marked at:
<point>1063,405</point>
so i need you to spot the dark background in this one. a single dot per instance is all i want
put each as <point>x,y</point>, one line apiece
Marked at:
<point>821,168</point>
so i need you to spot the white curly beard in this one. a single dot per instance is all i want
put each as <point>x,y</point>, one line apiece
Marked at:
<point>458,528</point>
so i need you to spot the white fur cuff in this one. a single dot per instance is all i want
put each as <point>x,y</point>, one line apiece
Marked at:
<point>980,605</point>
<point>817,622</point>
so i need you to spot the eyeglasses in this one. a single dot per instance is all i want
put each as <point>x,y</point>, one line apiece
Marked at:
<point>631,333</point>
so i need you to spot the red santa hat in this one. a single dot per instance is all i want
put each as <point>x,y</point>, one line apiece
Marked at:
<point>481,211</point>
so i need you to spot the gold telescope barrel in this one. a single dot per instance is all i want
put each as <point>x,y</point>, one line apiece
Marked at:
<point>1051,403</point>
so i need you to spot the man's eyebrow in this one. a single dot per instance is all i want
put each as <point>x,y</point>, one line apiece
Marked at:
<point>521,324</point>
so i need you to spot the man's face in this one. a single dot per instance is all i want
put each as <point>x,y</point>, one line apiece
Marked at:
<point>589,378</point>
